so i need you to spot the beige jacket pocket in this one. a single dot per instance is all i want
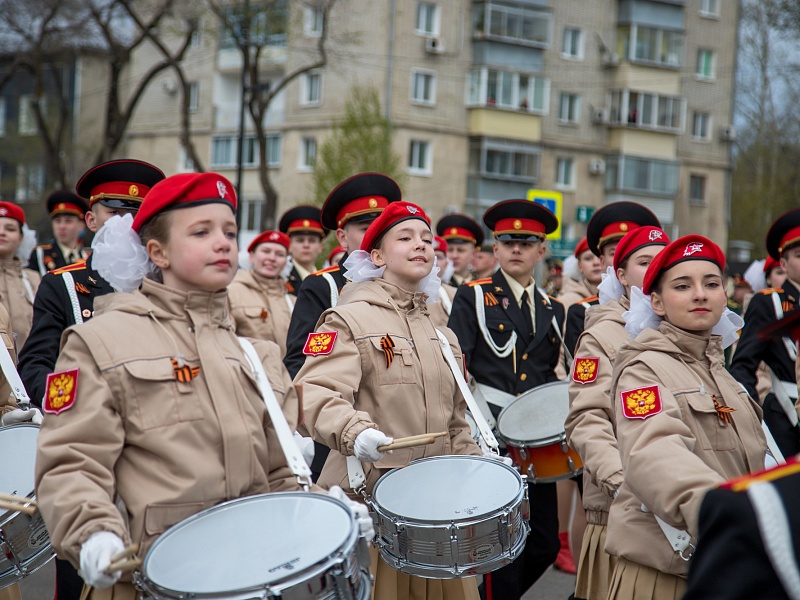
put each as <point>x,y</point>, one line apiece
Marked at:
<point>159,403</point>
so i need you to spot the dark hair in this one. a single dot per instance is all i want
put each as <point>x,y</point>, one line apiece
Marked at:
<point>156,229</point>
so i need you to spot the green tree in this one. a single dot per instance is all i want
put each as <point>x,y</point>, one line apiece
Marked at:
<point>361,141</point>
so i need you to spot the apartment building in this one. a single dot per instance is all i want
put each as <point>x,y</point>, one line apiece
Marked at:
<point>600,100</point>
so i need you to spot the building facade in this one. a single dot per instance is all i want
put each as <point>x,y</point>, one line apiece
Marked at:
<point>599,100</point>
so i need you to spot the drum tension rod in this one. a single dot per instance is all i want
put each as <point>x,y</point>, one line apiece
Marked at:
<point>532,472</point>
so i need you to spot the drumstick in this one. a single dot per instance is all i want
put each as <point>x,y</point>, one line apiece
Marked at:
<point>20,499</point>
<point>123,565</point>
<point>16,506</point>
<point>126,553</point>
<point>413,440</point>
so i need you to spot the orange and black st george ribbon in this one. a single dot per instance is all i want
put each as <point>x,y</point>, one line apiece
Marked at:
<point>387,345</point>
<point>184,373</point>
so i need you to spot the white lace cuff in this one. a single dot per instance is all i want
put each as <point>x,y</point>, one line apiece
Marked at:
<point>118,255</point>
<point>610,288</point>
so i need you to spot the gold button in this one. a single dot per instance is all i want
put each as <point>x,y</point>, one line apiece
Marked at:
<point>501,327</point>
<point>524,357</point>
<point>523,377</point>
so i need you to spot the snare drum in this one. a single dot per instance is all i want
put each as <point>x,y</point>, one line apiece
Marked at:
<point>450,516</point>
<point>24,540</point>
<point>532,427</point>
<point>288,545</point>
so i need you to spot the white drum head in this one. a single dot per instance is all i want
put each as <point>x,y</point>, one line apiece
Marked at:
<point>248,542</point>
<point>537,415</point>
<point>18,445</point>
<point>447,488</point>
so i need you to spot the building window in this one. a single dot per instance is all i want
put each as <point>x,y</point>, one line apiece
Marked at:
<point>251,215</point>
<point>185,164</point>
<point>572,43</point>
<point>194,96</point>
<point>564,173</point>
<point>2,117</point>
<point>427,19</point>
<point>508,161</point>
<point>642,175</point>
<point>706,60</point>
<point>507,89</point>
<point>268,26</point>
<point>30,183</point>
<point>27,119</point>
<point>569,108</point>
<point>311,88</point>
<point>709,8</point>
<point>419,158</point>
<point>308,154</point>
<point>514,23</point>
<point>312,21</point>
<point>195,26</point>
<point>697,189</point>
<point>648,111</point>
<point>423,87</point>
<point>701,126</point>
<point>649,45</point>
<point>225,149</point>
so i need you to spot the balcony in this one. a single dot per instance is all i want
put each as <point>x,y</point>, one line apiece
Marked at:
<point>509,124</point>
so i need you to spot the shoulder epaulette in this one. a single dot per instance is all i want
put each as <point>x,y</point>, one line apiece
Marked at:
<point>45,246</point>
<point>328,270</point>
<point>768,291</point>
<point>740,484</point>
<point>479,281</point>
<point>76,266</point>
<point>588,299</point>
<point>554,299</point>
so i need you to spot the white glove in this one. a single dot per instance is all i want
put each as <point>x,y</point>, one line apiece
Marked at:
<point>96,554</point>
<point>19,415</point>
<point>506,460</point>
<point>367,442</point>
<point>306,446</point>
<point>361,512</point>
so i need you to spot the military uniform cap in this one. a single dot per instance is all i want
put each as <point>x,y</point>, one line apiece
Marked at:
<point>784,233</point>
<point>614,221</point>
<point>358,199</point>
<point>62,202</point>
<point>119,183</point>
<point>302,219</point>
<point>458,229</point>
<point>520,220</point>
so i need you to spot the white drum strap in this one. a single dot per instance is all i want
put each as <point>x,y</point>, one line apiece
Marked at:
<point>28,287</point>
<point>782,390</point>
<point>772,449</point>
<point>791,348</point>
<point>69,283</point>
<point>480,421</point>
<point>776,534</point>
<point>445,300</point>
<point>289,302</point>
<point>679,540</point>
<point>13,378</point>
<point>499,352</point>
<point>334,290</point>
<point>567,353</point>
<point>356,476</point>
<point>40,260</point>
<point>294,457</point>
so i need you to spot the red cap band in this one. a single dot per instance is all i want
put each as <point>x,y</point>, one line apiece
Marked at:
<point>360,206</point>
<point>519,227</point>
<point>616,230</point>
<point>790,238</point>
<point>118,189</point>
<point>303,225</point>
<point>66,208</point>
<point>459,233</point>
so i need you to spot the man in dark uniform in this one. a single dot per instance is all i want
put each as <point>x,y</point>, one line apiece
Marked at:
<point>463,235</point>
<point>767,306</point>
<point>514,346</point>
<point>303,226</point>
<point>349,210</point>
<point>66,296</point>
<point>66,215</point>
<point>607,227</point>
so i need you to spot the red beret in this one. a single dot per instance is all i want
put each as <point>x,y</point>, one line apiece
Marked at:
<point>582,247</point>
<point>184,190</point>
<point>638,239</point>
<point>688,247</point>
<point>336,250</point>
<point>272,237</point>
<point>12,211</point>
<point>394,213</point>
<point>770,264</point>
<point>440,244</point>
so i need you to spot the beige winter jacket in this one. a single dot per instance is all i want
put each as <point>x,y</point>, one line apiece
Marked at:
<point>17,297</point>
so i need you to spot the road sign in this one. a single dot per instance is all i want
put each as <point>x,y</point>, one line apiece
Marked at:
<point>584,213</point>
<point>553,201</point>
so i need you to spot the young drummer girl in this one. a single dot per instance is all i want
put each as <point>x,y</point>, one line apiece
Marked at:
<point>375,371</point>
<point>152,405</point>
<point>684,425</point>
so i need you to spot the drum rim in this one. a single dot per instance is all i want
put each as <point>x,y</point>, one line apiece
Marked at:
<point>277,585</point>
<point>7,515</point>
<point>527,443</point>
<point>431,523</point>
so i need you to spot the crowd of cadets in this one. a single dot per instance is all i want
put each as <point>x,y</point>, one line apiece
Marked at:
<point>657,420</point>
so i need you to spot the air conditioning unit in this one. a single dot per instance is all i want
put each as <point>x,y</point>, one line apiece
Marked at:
<point>727,133</point>
<point>599,115</point>
<point>169,85</point>
<point>597,166</point>
<point>434,45</point>
<point>610,59</point>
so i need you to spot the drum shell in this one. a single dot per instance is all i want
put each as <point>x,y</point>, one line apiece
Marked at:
<point>342,576</point>
<point>24,540</point>
<point>460,548</point>
<point>545,463</point>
